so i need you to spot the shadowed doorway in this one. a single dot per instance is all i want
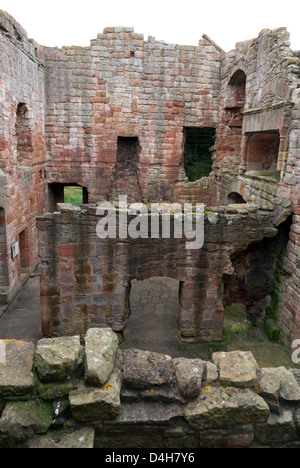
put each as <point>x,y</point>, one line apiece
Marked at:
<point>154,321</point>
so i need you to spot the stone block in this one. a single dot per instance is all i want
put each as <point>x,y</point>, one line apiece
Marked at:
<point>16,377</point>
<point>100,352</point>
<point>278,430</point>
<point>189,374</point>
<point>226,407</point>
<point>240,436</point>
<point>90,404</point>
<point>21,420</point>
<point>236,368</point>
<point>143,369</point>
<point>289,387</point>
<point>82,438</point>
<point>56,359</point>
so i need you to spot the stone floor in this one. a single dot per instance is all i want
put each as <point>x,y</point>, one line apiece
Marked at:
<point>153,325</point>
<point>22,320</point>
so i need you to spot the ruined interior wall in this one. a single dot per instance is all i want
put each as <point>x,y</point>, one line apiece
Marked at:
<point>125,86</point>
<point>85,280</point>
<point>272,103</point>
<point>22,169</point>
<point>269,65</point>
<point>290,317</point>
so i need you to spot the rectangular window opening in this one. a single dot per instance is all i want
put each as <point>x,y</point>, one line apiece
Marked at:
<point>66,193</point>
<point>198,161</point>
<point>128,150</point>
<point>263,152</point>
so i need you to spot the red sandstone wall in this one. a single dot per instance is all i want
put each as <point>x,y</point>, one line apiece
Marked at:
<point>268,63</point>
<point>85,281</point>
<point>22,169</point>
<point>98,93</point>
<point>123,85</point>
<point>272,103</point>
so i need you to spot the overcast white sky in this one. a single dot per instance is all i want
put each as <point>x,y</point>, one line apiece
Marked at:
<point>75,22</point>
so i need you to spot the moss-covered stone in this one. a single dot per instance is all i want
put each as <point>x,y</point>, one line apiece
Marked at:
<point>89,404</point>
<point>58,358</point>
<point>272,331</point>
<point>21,420</point>
<point>222,407</point>
<point>82,438</point>
<point>53,391</point>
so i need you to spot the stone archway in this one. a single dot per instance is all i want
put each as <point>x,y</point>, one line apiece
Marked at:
<point>235,198</point>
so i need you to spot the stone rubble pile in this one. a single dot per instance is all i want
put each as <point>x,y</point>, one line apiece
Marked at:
<point>63,394</point>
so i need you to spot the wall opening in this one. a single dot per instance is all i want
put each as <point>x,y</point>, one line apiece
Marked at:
<point>154,319</point>
<point>263,151</point>
<point>230,131</point>
<point>252,280</point>
<point>236,91</point>
<point>125,177</point>
<point>128,151</point>
<point>66,193</point>
<point>4,276</point>
<point>281,274</point>
<point>235,100</point>
<point>73,195</point>
<point>24,251</point>
<point>23,133</point>
<point>234,198</point>
<point>198,147</point>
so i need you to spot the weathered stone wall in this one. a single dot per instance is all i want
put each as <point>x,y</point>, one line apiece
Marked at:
<point>22,154</point>
<point>125,86</point>
<point>62,394</point>
<point>271,73</point>
<point>271,104</point>
<point>87,101</point>
<point>85,281</point>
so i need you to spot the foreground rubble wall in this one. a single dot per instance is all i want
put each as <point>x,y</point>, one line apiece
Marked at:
<point>64,393</point>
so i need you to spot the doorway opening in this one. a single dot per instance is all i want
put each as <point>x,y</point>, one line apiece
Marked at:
<point>154,319</point>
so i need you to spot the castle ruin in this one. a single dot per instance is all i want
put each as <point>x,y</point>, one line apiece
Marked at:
<point>159,123</point>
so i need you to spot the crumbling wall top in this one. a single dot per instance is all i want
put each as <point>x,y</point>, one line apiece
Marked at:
<point>10,25</point>
<point>12,30</point>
